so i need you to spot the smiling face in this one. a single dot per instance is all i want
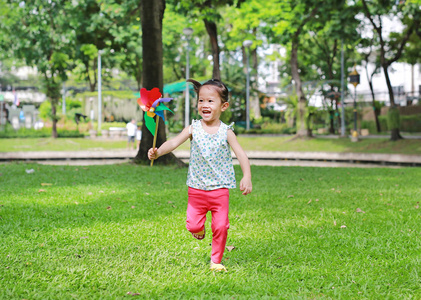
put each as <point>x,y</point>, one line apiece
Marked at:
<point>210,105</point>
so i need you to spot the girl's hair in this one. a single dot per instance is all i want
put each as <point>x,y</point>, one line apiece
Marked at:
<point>219,86</point>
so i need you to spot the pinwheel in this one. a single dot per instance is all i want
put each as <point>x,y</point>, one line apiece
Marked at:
<point>151,104</point>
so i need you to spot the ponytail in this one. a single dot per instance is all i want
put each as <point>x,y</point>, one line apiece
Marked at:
<point>218,84</point>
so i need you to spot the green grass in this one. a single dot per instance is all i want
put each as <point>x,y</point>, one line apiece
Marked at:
<point>61,144</point>
<point>99,232</point>
<point>258,143</point>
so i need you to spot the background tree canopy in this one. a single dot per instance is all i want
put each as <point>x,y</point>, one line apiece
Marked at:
<point>62,40</point>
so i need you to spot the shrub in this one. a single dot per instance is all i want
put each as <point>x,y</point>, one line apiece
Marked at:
<point>411,123</point>
<point>41,133</point>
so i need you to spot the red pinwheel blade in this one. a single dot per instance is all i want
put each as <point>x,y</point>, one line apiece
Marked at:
<point>149,97</point>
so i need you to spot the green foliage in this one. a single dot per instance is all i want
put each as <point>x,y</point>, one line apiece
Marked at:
<point>411,123</point>
<point>45,110</point>
<point>41,133</point>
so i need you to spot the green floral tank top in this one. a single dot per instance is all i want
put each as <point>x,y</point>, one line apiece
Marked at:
<point>210,166</point>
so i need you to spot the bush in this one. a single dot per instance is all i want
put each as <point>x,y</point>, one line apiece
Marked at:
<point>410,123</point>
<point>41,133</point>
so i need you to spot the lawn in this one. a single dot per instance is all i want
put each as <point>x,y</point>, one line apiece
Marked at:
<point>258,143</point>
<point>101,232</point>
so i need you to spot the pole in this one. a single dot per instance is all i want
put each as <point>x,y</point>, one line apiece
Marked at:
<point>342,91</point>
<point>187,101</point>
<point>355,109</point>
<point>63,97</point>
<point>1,113</point>
<point>247,93</point>
<point>99,91</point>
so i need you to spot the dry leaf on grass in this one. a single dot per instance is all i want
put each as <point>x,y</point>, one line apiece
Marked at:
<point>358,210</point>
<point>417,206</point>
<point>317,200</point>
<point>334,223</point>
<point>90,193</point>
<point>290,196</point>
<point>45,184</point>
<point>41,191</point>
<point>108,207</point>
<point>230,248</point>
<point>343,226</point>
<point>101,191</point>
<point>169,202</point>
<point>309,202</point>
<point>133,294</point>
<point>133,206</point>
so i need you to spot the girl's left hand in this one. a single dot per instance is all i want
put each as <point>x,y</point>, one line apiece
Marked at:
<point>246,186</point>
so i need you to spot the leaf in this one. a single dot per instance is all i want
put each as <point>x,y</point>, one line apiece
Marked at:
<point>29,171</point>
<point>108,207</point>
<point>334,223</point>
<point>230,248</point>
<point>133,206</point>
<point>309,202</point>
<point>290,196</point>
<point>358,210</point>
<point>41,191</point>
<point>150,124</point>
<point>343,226</point>
<point>133,294</point>
<point>45,184</point>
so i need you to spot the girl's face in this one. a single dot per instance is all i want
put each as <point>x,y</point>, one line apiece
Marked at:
<point>210,104</point>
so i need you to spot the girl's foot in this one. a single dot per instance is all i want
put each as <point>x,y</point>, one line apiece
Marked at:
<point>217,267</point>
<point>199,235</point>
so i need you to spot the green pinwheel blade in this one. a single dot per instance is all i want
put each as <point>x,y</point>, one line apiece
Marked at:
<point>150,124</point>
<point>162,107</point>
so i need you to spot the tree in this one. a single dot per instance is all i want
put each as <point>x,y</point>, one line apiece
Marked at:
<point>152,14</point>
<point>369,55</point>
<point>390,51</point>
<point>208,11</point>
<point>42,37</point>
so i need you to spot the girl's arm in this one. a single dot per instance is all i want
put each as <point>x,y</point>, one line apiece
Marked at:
<point>245,183</point>
<point>169,145</point>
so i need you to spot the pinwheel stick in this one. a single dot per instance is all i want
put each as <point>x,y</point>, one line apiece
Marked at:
<point>154,137</point>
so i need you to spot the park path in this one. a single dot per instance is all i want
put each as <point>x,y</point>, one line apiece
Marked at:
<point>270,158</point>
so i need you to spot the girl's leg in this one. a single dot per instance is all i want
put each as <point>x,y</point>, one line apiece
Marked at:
<point>219,206</point>
<point>196,211</point>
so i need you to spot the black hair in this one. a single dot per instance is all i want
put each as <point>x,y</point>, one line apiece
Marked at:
<point>220,87</point>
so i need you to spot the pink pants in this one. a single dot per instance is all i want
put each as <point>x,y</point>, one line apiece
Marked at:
<point>216,201</point>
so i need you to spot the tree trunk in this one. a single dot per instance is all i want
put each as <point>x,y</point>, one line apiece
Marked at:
<point>301,127</point>
<point>373,98</point>
<point>54,117</point>
<point>395,134</point>
<point>152,13</point>
<point>331,121</point>
<point>213,35</point>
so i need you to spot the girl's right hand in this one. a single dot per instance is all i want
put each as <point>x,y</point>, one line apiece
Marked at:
<point>152,153</point>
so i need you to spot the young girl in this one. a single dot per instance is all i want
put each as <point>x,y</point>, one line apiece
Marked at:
<point>211,172</point>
